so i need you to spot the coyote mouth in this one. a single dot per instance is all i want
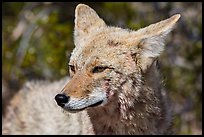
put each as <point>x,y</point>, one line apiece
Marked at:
<point>74,110</point>
<point>96,104</point>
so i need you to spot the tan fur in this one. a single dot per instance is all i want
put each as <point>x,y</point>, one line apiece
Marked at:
<point>111,65</point>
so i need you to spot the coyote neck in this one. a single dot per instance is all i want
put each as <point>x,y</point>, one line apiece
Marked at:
<point>142,114</point>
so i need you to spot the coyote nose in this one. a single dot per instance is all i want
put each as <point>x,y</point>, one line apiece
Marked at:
<point>61,99</point>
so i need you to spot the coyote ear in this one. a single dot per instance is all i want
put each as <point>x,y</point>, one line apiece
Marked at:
<point>86,19</point>
<point>152,39</point>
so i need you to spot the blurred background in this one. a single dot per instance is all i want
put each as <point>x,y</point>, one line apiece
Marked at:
<point>37,39</point>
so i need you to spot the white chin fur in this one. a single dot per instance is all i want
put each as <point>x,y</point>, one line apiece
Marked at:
<point>77,104</point>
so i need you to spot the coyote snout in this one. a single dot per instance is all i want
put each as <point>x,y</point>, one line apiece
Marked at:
<point>83,91</point>
<point>75,105</point>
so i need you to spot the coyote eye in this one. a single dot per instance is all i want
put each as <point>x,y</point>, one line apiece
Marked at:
<point>72,68</point>
<point>99,69</point>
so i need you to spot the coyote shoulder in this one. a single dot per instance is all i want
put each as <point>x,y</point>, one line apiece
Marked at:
<point>115,86</point>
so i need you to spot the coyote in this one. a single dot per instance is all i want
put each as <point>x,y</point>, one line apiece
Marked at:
<point>114,88</point>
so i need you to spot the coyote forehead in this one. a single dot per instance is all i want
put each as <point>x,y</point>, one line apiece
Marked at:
<point>110,42</point>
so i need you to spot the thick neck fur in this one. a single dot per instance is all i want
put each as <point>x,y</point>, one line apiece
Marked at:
<point>138,108</point>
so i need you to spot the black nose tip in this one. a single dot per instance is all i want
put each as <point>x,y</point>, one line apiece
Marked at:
<point>61,99</point>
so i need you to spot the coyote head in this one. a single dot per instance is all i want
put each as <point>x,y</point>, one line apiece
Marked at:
<point>108,63</point>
